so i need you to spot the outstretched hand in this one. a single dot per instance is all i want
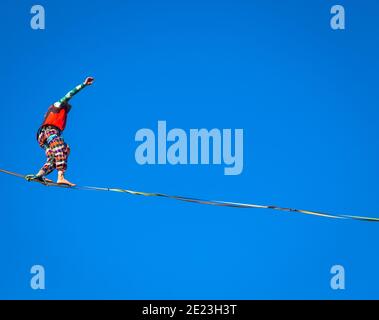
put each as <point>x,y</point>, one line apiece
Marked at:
<point>89,81</point>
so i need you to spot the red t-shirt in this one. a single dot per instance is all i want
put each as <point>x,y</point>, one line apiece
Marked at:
<point>56,116</point>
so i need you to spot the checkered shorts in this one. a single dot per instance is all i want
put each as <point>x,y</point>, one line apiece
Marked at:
<point>56,150</point>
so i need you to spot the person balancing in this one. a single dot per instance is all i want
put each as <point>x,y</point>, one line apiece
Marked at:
<point>49,137</point>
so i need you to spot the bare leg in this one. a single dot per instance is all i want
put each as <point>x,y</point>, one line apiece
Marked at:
<point>48,167</point>
<point>61,151</point>
<point>42,174</point>
<point>61,179</point>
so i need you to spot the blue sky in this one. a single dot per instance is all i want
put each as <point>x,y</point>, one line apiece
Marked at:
<point>305,96</point>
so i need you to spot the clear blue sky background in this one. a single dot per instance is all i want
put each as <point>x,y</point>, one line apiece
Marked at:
<point>305,95</point>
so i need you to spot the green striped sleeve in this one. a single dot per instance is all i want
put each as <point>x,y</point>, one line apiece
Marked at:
<point>69,95</point>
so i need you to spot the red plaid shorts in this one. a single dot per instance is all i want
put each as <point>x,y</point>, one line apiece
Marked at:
<point>56,150</point>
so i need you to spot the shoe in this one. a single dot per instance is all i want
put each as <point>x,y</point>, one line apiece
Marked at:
<point>33,177</point>
<point>30,177</point>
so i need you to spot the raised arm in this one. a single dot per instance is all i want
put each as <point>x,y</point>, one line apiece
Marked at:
<point>73,92</point>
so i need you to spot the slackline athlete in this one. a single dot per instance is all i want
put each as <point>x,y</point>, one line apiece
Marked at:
<point>49,137</point>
